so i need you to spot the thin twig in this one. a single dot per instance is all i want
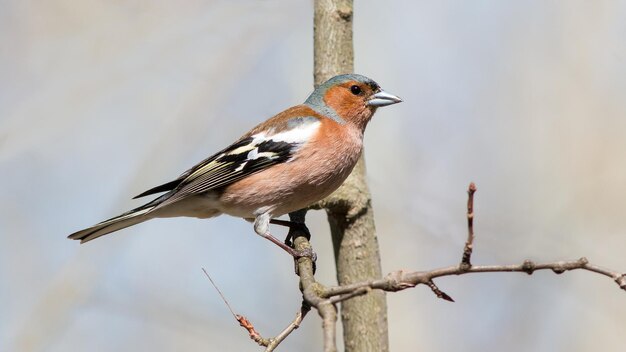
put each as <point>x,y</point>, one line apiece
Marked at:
<point>438,292</point>
<point>220,293</point>
<point>289,329</point>
<point>469,244</point>
<point>400,280</point>
<point>243,321</point>
<point>358,292</point>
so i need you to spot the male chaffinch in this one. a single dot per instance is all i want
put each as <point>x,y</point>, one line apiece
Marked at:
<point>286,163</point>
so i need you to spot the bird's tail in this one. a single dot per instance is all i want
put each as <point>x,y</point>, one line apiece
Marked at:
<point>127,219</point>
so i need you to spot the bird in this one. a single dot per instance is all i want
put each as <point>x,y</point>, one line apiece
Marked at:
<point>289,162</point>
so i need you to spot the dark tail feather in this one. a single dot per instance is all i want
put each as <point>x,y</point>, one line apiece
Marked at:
<point>127,219</point>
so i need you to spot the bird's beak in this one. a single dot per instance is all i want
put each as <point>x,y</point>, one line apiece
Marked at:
<point>382,98</point>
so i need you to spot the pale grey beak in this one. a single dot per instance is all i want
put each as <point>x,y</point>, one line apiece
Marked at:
<point>383,98</point>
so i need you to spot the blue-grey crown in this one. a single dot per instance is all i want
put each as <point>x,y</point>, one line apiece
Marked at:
<point>316,100</point>
<point>318,93</point>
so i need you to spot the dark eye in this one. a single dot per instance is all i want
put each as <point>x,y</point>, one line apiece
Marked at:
<point>356,90</point>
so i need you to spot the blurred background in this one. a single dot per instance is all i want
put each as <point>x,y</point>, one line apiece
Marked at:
<point>101,100</point>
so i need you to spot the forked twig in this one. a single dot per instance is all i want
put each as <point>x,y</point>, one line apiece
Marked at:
<point>324,299</point>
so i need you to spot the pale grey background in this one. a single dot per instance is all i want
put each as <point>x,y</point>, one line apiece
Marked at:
<point>100,100</point>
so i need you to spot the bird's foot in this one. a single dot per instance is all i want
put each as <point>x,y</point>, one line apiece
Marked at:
<point>293,227</point>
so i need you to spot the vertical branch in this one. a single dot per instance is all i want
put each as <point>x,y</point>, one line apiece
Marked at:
<point>332,39</point>
<point>349,209</point>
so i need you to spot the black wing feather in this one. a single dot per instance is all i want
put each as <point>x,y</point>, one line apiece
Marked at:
<point>162,188</point>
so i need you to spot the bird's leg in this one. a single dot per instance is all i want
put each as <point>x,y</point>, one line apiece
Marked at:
<point>287,248</point>
<point>262,228</point>
<point>301,229</point>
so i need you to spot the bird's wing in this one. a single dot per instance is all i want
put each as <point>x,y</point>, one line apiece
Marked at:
<point>218,160</point>
<point>245,157</point>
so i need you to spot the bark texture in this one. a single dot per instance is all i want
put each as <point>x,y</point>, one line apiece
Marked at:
<point>349,209</point>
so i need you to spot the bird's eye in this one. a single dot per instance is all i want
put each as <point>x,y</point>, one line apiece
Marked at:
<point>356,90</point>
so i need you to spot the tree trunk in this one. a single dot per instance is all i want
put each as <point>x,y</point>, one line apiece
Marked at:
<point>349,209</point>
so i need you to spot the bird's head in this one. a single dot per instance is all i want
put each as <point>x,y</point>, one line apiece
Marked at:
<point>350,98</point>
